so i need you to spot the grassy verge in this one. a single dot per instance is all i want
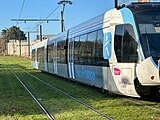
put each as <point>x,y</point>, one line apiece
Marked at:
<point>62,107</point>
<point>15,102</point>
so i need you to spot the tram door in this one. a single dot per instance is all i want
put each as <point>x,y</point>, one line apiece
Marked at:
<point>126,58</point>
<point>70,57</point>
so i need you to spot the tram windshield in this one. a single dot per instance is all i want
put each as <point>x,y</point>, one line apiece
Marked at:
<point>148,23</point>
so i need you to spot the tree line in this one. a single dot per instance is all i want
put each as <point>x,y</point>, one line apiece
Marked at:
<point>12,33</point>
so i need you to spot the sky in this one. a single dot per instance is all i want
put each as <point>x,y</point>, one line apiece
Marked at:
<point>78,12</point>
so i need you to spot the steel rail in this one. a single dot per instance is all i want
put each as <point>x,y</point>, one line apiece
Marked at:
<point>70,96</point>
<point>35,99</point>
<point>128,100</point>
<point>66,94</point>
<point>141,104</point>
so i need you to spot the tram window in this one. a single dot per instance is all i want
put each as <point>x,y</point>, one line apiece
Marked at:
<point>58,52</point>
<point>125,44</point>
<point>90,50</point>
<point>61,52</point>
<point>76,50</point>
<point>40,54</point>
<point>118,42</point>
<point>82,49</point>
<point>46,55</point>
<point>33,55</point>
<point>54,52</point>
<point>100,61</point>
<point>50,53</point>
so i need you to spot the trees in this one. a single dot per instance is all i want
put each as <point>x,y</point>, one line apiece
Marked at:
<point>13,33</point>
<point>4,40</point>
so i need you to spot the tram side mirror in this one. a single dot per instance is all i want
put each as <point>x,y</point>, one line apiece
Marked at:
<point>107,45</point>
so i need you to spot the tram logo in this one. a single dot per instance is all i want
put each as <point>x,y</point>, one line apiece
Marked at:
<point>117,71</point>
<point>107,46</point>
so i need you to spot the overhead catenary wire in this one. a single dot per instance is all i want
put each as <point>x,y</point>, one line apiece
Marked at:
<point>46,17</point>
<point>21,11</point>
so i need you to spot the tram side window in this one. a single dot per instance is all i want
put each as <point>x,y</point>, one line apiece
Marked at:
<point>125,44</point>
<point>58,52</point>
<point>90,48</point>
<point>41,54</point>
<point>99,60</point>
<point>82,50</point>
<point>50,53</point>
<point>38,54</point>
<point>61,52</point>
<point>54,52</point>
<point>76,50</point>
<point>33,55</point>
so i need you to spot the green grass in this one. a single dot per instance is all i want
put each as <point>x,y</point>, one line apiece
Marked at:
<point>15,102</point>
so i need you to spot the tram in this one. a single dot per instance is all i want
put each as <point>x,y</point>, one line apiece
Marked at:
<point>117,51</point>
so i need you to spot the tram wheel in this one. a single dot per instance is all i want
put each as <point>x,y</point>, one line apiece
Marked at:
<point>143,91</point>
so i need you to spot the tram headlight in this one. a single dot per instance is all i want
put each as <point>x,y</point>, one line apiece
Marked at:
<point>152,77</point>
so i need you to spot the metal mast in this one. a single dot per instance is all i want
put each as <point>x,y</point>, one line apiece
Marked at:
<point>63,3</point>
<point>116,3</point>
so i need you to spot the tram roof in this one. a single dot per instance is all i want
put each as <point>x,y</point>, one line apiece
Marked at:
<point>139,7</point>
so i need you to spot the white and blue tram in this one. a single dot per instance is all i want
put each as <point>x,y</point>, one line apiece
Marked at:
<point>118,51</point>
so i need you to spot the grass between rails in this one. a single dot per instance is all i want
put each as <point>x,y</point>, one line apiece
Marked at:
<point>15,102</point>
<point>61,106</point>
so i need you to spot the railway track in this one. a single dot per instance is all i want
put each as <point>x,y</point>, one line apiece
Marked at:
<point>130,100</point>
<point>58,90</point>
<point>142,104</point>
<point>50,116</point>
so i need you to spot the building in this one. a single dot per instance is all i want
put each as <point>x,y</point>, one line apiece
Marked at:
<point>14,47</point>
